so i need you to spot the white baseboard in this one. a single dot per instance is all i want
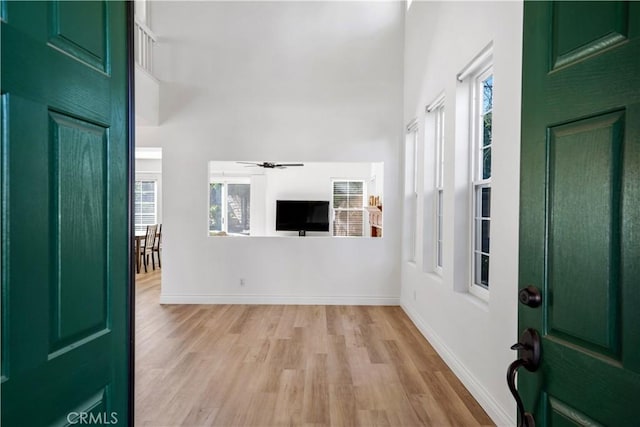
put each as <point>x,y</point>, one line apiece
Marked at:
<point>497,413</point>
<point>278,299</point>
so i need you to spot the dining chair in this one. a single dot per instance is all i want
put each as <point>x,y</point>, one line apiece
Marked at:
<point>156,247</point>
<point>146,248</point>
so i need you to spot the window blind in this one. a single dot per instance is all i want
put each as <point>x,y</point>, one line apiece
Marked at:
<point>348,208</point>
<point>145,212</point>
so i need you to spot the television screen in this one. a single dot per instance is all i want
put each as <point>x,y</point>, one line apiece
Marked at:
<point>302,215</point>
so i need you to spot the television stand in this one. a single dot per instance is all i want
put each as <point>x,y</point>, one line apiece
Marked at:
<point>302,233</point>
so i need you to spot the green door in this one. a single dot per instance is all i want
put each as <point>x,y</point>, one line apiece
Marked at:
<point>580,211</point>
<point>65,352</point>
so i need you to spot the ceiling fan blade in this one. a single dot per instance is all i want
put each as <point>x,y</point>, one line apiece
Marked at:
<point>270,165</point>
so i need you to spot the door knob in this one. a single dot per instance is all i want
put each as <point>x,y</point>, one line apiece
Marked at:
<point>530,296</point>
<point>528,357</point>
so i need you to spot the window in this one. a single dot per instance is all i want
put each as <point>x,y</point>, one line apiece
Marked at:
<point>146,202</point>
<point>348,207</point>
<point>439,182</point>
<point>411,186</point>
<point>230,206</point>
<point>433,186</point>
<point>482,131</point>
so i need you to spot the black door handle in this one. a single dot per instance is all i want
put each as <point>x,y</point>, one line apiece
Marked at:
<point>529,357</point>
<point>530,296</point>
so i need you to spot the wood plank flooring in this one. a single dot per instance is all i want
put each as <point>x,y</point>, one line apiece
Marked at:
<point>285,365</point>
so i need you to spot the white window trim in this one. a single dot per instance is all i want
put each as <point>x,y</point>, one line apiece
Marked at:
<point>412,131</point>
<point>480,69</point>
<point>477,131</point>
<point>481,60</point>
<point>223,198</point>
<point>155,199</point>
<point>363,209</point>
<point>478,182</point>
<point>438,228</point>
<point>435,122</point>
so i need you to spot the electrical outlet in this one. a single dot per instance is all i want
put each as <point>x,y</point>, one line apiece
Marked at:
<point>242,282</point>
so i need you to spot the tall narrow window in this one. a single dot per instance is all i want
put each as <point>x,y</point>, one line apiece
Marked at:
<point>439,183</point>
<point>230,207</point>
<point>348,208</point>
<point>481,165</point>
<point>145,206</point>
<point>411,185</point>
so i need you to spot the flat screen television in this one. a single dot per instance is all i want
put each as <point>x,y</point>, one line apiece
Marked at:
<point>302,215</point>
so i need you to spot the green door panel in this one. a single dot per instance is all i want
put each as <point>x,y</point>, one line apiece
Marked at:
<point>584,174</point>
<point>78,164</point>
<point>85,38</point>
<point>580,210</point>
<point>65,331</point>
<point>582,28</point>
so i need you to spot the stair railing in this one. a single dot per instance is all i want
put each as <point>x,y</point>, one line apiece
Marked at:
<point>145,40</point>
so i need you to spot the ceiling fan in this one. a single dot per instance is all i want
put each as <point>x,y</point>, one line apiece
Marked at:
<point>270,165</point>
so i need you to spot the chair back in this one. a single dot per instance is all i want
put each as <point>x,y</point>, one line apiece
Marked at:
<point>156,243</point>
<point>150,237</point>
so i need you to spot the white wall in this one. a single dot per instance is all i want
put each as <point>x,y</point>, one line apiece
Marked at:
<point>318,81</point>
<point>472,335</point>
<point>147,98</point>
<point>376,186</point>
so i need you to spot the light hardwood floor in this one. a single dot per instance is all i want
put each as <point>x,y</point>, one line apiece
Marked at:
<point>286,365</point>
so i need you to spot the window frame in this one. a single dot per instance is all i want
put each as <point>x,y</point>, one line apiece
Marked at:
<point>334,209</point>
<point>225,181</point>
<point>412,180</point>
<point>155,203</point>
<point>438,227</point>
<point>478,181</point>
